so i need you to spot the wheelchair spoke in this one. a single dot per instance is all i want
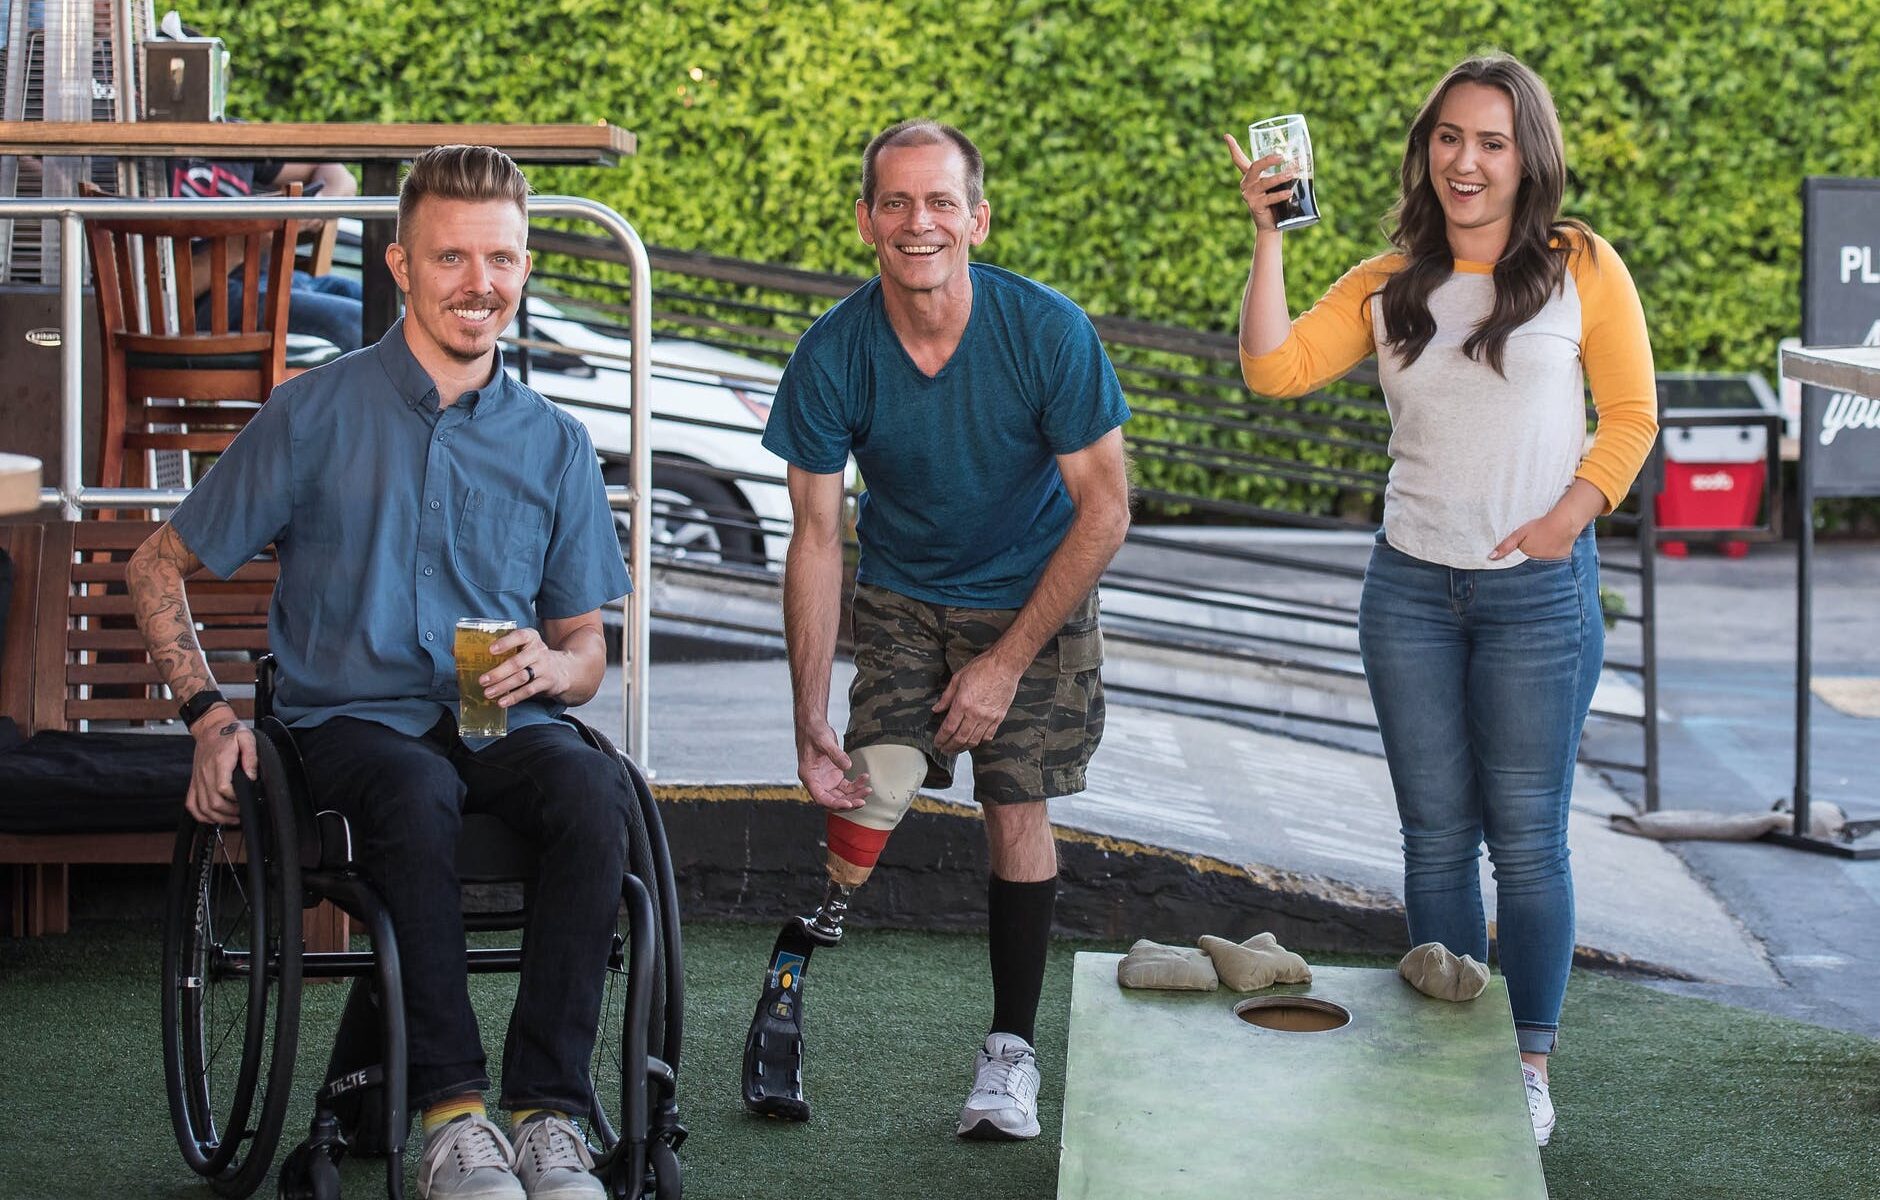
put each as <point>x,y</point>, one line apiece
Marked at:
<point>604,1071</point>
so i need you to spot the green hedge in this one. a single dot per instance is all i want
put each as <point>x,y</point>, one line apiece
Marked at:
<point>1689,125</point>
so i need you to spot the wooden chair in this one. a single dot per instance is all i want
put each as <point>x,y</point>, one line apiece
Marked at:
<point>72,655</point>
<point>178,386</point>
<point>314,252</point>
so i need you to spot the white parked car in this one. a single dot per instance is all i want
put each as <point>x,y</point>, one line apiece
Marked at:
<point>718,495</point>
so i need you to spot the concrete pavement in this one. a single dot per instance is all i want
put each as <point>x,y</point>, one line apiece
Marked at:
<point>1309,821</point>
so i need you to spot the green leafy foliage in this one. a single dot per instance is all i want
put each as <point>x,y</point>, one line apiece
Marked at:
<point>1689,126</point>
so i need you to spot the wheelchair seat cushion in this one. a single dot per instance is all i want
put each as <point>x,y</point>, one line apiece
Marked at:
<point>62,782</point>
<point>491,851</point>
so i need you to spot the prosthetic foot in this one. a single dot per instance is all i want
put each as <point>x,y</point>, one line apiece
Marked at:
<point>773,1049</point>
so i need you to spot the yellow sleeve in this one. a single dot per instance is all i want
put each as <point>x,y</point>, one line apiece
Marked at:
<point>1327,340</point>
<point>1617,352</point>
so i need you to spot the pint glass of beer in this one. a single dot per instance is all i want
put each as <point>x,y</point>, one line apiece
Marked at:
<point>478,715</point>
<point>1287,137</point>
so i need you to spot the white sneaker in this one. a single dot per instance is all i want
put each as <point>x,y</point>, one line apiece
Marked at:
<point>468,1159</point>
<point>1003,1105</point>
<point>553,1162</point>
<point>1540,1104</point>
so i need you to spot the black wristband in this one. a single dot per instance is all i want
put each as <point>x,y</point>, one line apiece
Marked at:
<point>200,703</point>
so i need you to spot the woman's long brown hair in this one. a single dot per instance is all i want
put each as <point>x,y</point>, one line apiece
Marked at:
<point>1535,261</point>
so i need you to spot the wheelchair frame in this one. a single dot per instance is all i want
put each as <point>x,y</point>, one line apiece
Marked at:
<point>283,848</point>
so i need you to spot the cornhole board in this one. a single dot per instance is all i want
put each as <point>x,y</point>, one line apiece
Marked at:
<point>1170,1094</point>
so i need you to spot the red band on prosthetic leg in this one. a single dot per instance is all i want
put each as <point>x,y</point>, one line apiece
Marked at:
<point>857,845</point>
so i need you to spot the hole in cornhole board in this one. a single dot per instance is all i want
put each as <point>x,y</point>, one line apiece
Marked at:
<point>1293,1014</point>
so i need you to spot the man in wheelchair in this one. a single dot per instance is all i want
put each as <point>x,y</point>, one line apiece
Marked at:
<point>405,486</point>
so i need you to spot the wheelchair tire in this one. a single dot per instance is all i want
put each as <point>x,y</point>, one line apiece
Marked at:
<point>230,1031</point>
<point>608,1076</point>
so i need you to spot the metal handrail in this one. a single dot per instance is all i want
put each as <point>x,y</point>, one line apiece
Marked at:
<point>73,498</point>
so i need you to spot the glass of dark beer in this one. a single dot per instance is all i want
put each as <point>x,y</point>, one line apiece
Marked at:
<point>1287,137</point>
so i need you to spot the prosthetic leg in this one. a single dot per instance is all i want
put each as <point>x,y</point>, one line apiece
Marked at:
<point>773,1049</point>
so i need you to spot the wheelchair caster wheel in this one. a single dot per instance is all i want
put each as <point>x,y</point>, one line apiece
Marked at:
<point>664,1179</point>
<point>309,1173</point>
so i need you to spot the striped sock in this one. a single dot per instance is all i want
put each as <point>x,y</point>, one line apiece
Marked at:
<point>520,1115</point>
<point>470,1104</point>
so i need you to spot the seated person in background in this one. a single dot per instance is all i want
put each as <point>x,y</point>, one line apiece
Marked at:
<point>405,487</point>
<point>324,306</point>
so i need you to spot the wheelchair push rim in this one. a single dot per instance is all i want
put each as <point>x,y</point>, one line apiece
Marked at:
<point>230,1017</point>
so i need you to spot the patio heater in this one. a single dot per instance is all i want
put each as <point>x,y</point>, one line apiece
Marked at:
<point>67,60</point>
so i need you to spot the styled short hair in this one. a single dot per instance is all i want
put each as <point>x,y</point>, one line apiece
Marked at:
<point>461,172</point>
<point>924,131</point>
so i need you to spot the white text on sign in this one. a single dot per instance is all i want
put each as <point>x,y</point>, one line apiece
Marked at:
<point>1848,411</point>
<point>1858,259</point>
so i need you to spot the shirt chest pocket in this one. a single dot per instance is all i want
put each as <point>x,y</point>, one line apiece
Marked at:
<point>499,543</point>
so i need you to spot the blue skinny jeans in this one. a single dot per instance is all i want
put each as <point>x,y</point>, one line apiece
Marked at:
<point>1482,680</point>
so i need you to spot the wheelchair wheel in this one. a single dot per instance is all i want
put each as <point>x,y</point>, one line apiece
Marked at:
<point>605,1069</point>
<point>231,988</point>
<point>616,1093</point>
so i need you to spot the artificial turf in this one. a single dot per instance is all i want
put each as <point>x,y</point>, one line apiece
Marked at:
<point>1660,1096</point>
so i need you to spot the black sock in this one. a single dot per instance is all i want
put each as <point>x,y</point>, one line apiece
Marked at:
<point>1018,929</point>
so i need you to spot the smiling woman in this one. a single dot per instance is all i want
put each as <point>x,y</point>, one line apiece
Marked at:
<point>1479,625</point>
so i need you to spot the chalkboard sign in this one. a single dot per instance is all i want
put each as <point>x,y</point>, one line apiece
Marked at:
<point>1841,307</point>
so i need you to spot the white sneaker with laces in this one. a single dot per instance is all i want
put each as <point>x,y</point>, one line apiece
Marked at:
<point>553,1161</point>
<point>1003,1105</point>
<point>1540,1104</point>
<point>468,1159</point>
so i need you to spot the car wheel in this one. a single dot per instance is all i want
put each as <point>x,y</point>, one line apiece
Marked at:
<point>697,518</point>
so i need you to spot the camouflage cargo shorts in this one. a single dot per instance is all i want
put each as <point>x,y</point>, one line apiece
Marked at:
<point>905,652</point>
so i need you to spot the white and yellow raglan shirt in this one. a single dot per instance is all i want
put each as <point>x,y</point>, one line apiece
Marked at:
<point>1474,454</point>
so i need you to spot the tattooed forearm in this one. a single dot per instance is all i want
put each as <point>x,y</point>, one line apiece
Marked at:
<point>155,575</point>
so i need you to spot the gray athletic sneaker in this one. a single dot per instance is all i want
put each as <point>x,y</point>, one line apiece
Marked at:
<point>1003,1105</point>
<point>553,1161</point>
<point>468,1159</point>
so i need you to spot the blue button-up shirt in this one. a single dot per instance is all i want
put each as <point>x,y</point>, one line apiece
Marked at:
<point>393,517</point>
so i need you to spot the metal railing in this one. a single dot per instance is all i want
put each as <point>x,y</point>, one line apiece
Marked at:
<point>74,498</point>
<point>1203,424</point>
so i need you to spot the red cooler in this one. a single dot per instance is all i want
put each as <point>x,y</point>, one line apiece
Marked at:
<point>1713,480</point>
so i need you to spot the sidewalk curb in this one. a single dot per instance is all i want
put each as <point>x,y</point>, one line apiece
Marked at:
<point>754,852</point>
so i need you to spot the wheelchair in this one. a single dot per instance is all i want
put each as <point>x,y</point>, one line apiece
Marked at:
<point>234,964</point>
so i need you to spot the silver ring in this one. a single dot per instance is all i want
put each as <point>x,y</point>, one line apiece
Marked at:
<point>530,672</point>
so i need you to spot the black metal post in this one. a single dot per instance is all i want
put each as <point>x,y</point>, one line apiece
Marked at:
<point>522,331</point>
<point>380,306</point>
<point>1804,612</point>
<point>1648,613</point>
<point>1798,835</point>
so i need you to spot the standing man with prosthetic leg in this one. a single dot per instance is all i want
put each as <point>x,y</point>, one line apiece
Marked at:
<point>986,420</point>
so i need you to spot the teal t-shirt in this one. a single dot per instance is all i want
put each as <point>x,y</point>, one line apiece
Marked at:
<point>964,501</point>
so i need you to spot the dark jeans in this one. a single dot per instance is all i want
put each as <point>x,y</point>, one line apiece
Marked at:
<point>405,798</point>
<point>322,306</point>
